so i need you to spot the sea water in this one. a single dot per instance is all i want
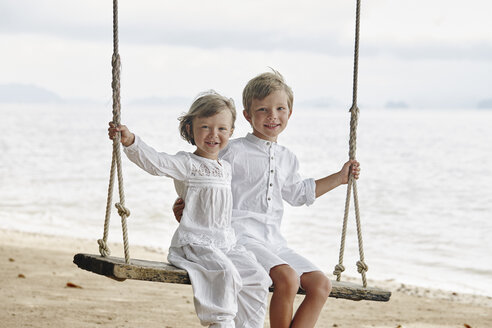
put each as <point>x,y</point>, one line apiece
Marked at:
<point>424,191</point>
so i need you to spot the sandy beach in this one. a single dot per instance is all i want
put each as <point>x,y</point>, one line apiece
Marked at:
<point>41,287</point>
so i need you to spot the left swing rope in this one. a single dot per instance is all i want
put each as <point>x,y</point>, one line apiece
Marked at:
<point>116,157</point>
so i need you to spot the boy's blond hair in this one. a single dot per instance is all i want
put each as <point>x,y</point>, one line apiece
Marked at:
<point>262,86</point>
<point>205,104</point>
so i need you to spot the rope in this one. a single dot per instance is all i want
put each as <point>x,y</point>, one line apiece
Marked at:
<point>352,185</point>
<point>116,157</point>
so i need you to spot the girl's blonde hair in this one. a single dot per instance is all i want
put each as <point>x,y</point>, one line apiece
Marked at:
<point>262,86</point>
<point>206,104</point>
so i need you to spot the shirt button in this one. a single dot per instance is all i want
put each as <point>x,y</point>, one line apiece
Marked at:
<point>271,157</point>
<point>268,143</point>
<point>271,184</point>
<point>269,198</point>
<point>271,171</point>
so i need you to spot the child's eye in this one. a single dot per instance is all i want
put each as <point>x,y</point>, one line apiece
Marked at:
<point>223,129</point>
<point>204,126</point>
<point>261,110</point>
<point>281,108</point>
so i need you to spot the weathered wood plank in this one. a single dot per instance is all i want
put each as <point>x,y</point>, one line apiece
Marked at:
<point>116,268</point>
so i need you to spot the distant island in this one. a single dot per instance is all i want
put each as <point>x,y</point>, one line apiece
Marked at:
<point>13,93</point>
<point>32,94</point>
<point>27,93</point>
<point>485,104</point>
<point>322,102</point>
<point>396,105</point>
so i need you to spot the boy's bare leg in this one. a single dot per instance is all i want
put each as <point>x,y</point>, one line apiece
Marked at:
<point>318,288</point>
<point>286,284</point>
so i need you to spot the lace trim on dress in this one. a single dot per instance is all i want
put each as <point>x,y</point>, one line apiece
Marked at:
<point>187,238</point>
<point>205,171</point>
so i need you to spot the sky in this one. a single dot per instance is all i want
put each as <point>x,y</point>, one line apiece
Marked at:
<point>422,53</point>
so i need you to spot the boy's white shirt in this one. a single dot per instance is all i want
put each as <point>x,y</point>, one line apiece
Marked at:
<point>264,174</point>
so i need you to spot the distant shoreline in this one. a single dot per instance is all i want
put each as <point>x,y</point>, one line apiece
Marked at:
<point>15,93</point>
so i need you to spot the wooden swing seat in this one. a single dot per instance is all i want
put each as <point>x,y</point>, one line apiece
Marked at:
<point>116,268</point>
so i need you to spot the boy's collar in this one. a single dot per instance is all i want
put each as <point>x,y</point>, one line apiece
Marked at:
<point>258,141</point>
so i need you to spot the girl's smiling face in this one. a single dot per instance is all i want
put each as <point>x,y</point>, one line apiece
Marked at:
<point>211,134</point>
<point>269,116</point>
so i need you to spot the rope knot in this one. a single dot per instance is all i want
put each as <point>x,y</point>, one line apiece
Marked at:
<point>122,210</point>
<point>103,248</point>
<point>354,109</point>
<point>339,268</point>
<point>362,267</point>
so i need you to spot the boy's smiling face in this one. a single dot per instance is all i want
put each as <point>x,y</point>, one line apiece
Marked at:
<point>269,116</point>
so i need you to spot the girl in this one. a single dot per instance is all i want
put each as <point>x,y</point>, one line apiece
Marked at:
<point>230,288</point>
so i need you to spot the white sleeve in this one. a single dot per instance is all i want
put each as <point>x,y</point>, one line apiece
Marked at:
<point>158,163</point>
<point>297,191</point>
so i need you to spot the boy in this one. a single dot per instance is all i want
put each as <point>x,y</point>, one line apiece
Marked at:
<point>263,175</point>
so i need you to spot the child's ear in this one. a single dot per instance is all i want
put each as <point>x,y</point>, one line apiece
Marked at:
<point>247,116</point>
<point>188,129</point>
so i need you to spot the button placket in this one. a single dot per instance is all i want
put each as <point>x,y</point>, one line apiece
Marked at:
<point>271,154</point>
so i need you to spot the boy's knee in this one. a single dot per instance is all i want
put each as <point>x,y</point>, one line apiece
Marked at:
<point>318,286</point>
<point>325,287</point>
<point>285,279</point>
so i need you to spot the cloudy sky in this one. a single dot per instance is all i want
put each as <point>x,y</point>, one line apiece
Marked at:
<point>426,53</point>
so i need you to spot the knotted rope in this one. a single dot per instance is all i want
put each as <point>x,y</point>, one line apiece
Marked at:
<point>352,185</point>
<point>116,157</point>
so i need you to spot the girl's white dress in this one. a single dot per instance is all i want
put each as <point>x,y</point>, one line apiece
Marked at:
<point>230,287</point>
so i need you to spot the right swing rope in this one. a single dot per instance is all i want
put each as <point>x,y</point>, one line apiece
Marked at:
<point>352,185</point>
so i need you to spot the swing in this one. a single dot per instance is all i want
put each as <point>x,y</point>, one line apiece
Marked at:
<point>121,269</point>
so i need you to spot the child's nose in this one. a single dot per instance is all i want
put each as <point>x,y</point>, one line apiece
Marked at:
<point>272,114</point>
